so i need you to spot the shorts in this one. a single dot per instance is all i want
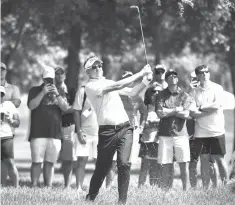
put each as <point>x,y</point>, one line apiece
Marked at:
<point>68,144</point>
<point>148,150</point>
<point>45,149</point>
<point>168,145</point>
<point>7,148</point>
<point>209,145</point>
<point>86,150</point>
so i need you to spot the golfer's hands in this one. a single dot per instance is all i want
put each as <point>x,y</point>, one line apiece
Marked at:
<point>146,70</point>
<point>81,137</point>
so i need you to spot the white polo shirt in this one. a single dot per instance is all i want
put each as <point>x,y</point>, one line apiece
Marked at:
<point>89,125</point>
<point>211,125</point>
<point>108,107</point>
<point>6,130</point>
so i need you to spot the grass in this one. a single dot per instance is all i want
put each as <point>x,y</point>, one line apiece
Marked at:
<point>146,195</point>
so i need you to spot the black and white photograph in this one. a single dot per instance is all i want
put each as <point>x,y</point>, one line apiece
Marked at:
<point>127,102</point>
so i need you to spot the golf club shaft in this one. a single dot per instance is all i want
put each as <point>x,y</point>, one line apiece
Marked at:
<point>142,33</point>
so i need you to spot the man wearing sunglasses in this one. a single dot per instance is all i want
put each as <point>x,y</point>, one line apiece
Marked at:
<point>209,125</point>
<point>115,131</point>
<point>172,106</point>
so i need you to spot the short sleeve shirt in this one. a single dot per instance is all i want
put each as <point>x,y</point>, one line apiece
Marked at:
<point>213,124</point>
<point>5,127</point>
<point>46,118</point>
<point>172,125</point>
<point>89,124</point>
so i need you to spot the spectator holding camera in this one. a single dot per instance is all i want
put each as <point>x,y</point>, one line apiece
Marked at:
<point>46,105</point>
<point>9,119</point>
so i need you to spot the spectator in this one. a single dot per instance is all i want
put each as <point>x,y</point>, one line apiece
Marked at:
<point>13,95</point>
<point>149,141</point>
<point>115,132</point>
<point>67,154</point>
<point>209,126</point>
<point>173,108</point>
<point>87,134</point>
<point>194,158</point>
<point>9,119</point>
<point>46,105</point>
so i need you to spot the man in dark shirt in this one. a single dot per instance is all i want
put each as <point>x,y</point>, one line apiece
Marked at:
<point>46,105</point>
<point>172,106</point>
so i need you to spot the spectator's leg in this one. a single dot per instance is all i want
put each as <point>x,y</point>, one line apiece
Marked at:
<point>143,171</point>
<point>222,165</point>
<point>153,171</point>
<point>80,172</point>
<point>4,174</point>
<point>167,176</point>
<point>35,173</point>
<point>213,172</point>
<point>193,173</point>
<point>12,170</point>
<point>48,173</point>
<point>111,175</point>
<point>67,169</point>
<point>205,173</point>
<point>184,174</point>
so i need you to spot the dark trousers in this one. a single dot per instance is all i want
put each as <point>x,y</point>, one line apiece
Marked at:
<point>112,139</point>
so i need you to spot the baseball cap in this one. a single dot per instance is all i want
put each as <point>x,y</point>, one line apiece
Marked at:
<point>48,72</point>
<point>90,61</point>
<point>3,66</point>
<point>59,69</point>
<point>170,72</point>
<point>2,90</point>
<point>159,67</point>
<point>201,68</point>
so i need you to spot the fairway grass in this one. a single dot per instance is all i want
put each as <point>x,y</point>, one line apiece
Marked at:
<point>146,195</point>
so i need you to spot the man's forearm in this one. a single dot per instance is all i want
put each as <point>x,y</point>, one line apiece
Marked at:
<point>121,83</point>
<point>198,114</point>
<point>77,119</point>
<point>166,112</point>
<point>64,106</point>
<point>16,102</point>
<point>35,102</point>
<point>183,114</point>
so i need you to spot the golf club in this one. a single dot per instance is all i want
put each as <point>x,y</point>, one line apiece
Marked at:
<point>136,7</point>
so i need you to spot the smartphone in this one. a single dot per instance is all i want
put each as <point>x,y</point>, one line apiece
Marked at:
<point>49,81</point>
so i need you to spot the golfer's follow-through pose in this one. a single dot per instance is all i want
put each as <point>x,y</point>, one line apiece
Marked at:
<point>115,132</point>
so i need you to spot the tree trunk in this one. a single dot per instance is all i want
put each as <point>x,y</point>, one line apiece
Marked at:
<point>73,60</point>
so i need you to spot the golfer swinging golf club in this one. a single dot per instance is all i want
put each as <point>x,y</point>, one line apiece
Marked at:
<point>115,132</point>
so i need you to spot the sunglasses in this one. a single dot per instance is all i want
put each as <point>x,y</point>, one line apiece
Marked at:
<point>173,76</point>
<point>158,72</point>
<point>96,66</point>
<point>202,72</point>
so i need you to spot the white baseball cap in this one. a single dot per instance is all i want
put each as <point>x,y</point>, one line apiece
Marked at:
<point>2,90</point>
<point>48,72</point>
<point>90,61</point>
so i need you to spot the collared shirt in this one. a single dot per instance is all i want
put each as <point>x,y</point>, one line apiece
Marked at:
<point>12,92</point>
<point>89,124</point>
<point>108,107</point>
<point>46,118</point>
<point>132,105</point>
<point>172,125</point>
<point>213,124</point>
<point>5,128</point>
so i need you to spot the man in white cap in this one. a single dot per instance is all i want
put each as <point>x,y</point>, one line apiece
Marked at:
<point>115,132</point>
<point>46,105</point>
<point>9,119</point>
